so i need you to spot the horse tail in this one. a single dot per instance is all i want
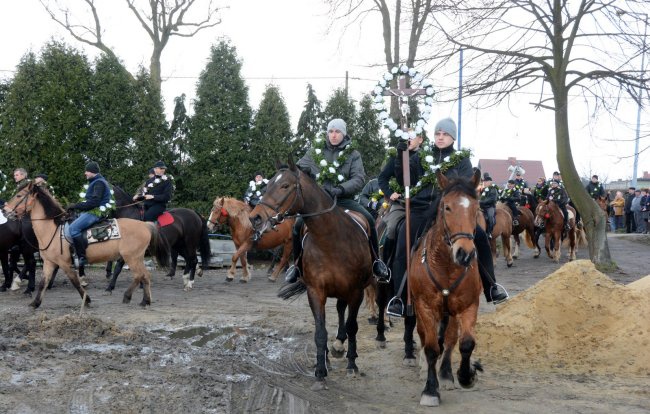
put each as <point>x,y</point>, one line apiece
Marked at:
<point>159,247</point>
<point>292,289</point>
<point>204,246</point>
<point>529,239</point>
<point>582,238</point>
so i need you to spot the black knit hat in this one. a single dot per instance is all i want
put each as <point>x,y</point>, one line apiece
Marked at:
<point>159,164</point>
<point>92,167</point>
<point>511,181</point>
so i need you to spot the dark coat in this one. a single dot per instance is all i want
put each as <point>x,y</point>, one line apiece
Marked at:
<point>489,196</point>
<point>595,190</point>
<point>97,194</point>
<point>161,190</point>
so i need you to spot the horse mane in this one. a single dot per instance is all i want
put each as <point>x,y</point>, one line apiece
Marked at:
<point>461,185</point>
<point>121,196</point>
<point>238,210</point>
<point>51,206</point>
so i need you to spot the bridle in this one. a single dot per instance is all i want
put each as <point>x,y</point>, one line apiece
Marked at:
<point>452,238</point>
<point>223,213</point>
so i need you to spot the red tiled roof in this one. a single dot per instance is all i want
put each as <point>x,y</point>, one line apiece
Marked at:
<point>498,169</point>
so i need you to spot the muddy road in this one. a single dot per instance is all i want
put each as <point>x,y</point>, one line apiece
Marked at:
<point>234,347</point>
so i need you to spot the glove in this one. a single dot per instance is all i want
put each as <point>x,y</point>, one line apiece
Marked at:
<point>139,198</point>
<point>402,145</point>
<point>70,208</point>
<point>331,190</point>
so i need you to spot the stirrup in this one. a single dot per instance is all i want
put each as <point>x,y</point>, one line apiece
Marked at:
<point>395,302</point>
<point>379,278</point>
<point>497,301</point>
<point>515,222</point>
<point>292,274</point>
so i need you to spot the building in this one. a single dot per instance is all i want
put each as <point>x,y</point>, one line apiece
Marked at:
<point>500,174</point>
<point>623,185</point>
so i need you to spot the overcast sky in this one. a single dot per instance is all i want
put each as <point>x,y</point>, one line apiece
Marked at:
<point>285,42</point>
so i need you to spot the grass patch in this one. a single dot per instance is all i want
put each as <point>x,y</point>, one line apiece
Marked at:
<point>607,267</point>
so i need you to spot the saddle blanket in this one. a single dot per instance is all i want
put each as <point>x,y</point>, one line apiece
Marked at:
<point>165,219</point>
<point>103,231</point>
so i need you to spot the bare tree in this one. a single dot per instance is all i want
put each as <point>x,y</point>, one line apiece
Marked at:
<point>160,19</point>
<point>585,46</point>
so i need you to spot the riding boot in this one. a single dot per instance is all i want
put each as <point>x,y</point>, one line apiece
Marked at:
<point>379,268</point>
<point>493,292</point>
<point>295,270</point>
<point>79,244</point>
<point>389,246</point>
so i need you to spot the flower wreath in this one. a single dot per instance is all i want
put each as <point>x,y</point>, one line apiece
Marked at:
<point>329,171</point>
<point>427,162</point>
<point>424,108</point>
<point>157,181</point>
<point>3,182</point>
<point>102,210</point>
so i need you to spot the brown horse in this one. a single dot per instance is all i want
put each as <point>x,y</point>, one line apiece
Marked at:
<point>445,286</point>
<point>47,214</point>
<point>336,258</point>
<point>502,228</point>
<point>236,214</point>
<point>549,216</point>
<point>526,225</point>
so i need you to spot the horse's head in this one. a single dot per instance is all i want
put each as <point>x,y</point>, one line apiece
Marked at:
<point>457,214</point>
<point>283,197</point>
<point>218,214</point>
<point>542,213</point>
<point>21,203</point>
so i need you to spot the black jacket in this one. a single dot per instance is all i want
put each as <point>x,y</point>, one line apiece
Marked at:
<point>160,189</point>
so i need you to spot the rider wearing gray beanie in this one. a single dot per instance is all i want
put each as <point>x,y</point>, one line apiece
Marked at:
<point>447,125</point>
<point>338,123</point>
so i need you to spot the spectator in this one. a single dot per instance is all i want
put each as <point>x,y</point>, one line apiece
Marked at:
<point>618,205</point>
<point>642,222</point>
<point>635,208</point>
<point>629,216</point>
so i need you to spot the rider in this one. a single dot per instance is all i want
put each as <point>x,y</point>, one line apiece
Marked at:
<point>343,192</point>
<point>424,208</point>
<point>98,194</point>
<point>396,212</point>
<point>488,202</point>
<point>594,188</point>
<point>510,195</point>
<point>20,178</point>
<point>520,183</point>
<point>255,190</point>
<point>541,189</point>
<point>156,192</point>
<point>558,194</point>
<point>368,198</point>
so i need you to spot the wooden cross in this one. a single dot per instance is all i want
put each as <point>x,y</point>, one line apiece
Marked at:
<point>403,93</point>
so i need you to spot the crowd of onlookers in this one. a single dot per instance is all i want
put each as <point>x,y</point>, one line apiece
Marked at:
<point>630,211</point>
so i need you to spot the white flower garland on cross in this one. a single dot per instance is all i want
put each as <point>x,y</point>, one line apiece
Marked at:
<point>425,107</point>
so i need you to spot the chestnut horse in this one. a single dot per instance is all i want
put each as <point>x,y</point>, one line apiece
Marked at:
<point>236,214</point>
<point>47,215</point>
<point>502,228</point>
<point>445,286</point>
<point>526,225</point>
<point>336,258</point>
<point>549,216</point>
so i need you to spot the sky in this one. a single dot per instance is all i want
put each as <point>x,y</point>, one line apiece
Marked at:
<point>287,43</point>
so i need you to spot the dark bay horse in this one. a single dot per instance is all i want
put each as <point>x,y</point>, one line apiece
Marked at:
<point>549,216</point>
<point>527,227</point>
<point>336,258</point>
<point>502,228</point>
<point>47,221</point>
<point>236,214</point>
<point>445,286</point>
<point>20,233</point>
<point>187,234</point>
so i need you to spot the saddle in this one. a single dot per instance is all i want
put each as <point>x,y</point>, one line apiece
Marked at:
<point>165,219</point>
<point>106,229</point>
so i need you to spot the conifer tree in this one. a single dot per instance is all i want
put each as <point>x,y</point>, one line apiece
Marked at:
<point>220,135</point>
<point>310,123</point>
<point>271,134</point>
<point>371,145</point>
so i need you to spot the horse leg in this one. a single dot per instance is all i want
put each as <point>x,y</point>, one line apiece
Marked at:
<point>381,298</point>
<point>174,262</point>
<point>537,234</point>
<point>558,245</point>
<point>286,253</point>
<point>450,338</point>
<point>547,243</point>
<point>505,240</point>
<point>30,266</point>
<point>572,244</point>
<point>140,275</point>
<point>4,260</point>
<point>119,264</point>
<point>189,270</point>
<point>337,346</point>
<point>241,250</point>
<point>409,345</point>
<point>352,327</point>
<point>109,269</point>
<point>317,305</point>
<point>244,265</point>
<point>515,253</point>
<point>467,371</point>
<point>431,349</point>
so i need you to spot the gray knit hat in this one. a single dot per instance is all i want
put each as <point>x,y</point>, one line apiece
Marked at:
<point>447,125</point>
<point>338,123</point>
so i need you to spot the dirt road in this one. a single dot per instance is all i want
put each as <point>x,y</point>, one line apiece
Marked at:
<point>237,348</point>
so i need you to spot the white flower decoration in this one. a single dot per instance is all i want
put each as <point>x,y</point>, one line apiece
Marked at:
<point>150,185</point>
<point>82,195</point>
<point>332,170</point>
<point>336,164</point>
<point>86,186</point>
<point>435,168</point>
<point>318,150</point>
<point>112,192</point>
<point>429,158</point>
<point>257,193</point>
<point>164,177</point>
<point>157,180</point>
<point>323,163</point>
<point>102,208</point>
<point>340,177</point>
<point>446,159</point>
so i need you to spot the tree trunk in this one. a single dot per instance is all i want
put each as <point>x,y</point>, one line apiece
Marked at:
<point>594,219</point>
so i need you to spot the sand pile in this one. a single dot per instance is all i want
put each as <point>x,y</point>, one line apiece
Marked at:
<point>576,320</point>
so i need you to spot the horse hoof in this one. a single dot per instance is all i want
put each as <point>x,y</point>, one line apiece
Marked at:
<point>336,353</point>
<point>509,264</point>
<point>352,372</point>
<point>272,279</point>
<point>243,281</point>
<point>35,304</point>
<point>199,272</point>
<point>447,384</point>
<point>230,279</point>
<point>126,299</point>
<point>410,362</point>
<point>429,400</point>
<point>381,344</point>
<point>144,303</point>
<point>319,386</point>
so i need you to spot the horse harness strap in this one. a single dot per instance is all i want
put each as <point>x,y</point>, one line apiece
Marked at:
<point>445,291</point>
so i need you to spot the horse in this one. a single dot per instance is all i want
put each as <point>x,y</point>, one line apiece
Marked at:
<point>236,214</point>
<point>445,286</point>
<point>187,234</point>
<point>19,233</point>
<point>549,216</point>
<point>337,261</point>
<point>603,203</point>
<point>502,228</point>
<point>47,221</point>
<point>526,225</point>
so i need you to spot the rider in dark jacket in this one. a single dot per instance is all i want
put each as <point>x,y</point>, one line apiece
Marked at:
<point>559,195</point>
<point>488,202</point>
<point>156,192</point>
<point>424,208</point>
<point>594,188</point>
<point>510,195</point>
